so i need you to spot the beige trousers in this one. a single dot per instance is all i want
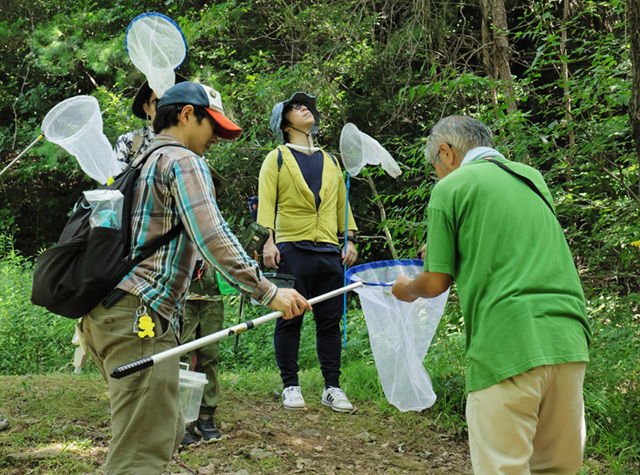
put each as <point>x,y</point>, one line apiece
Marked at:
<point>530,423</point>
<point>146,417</point>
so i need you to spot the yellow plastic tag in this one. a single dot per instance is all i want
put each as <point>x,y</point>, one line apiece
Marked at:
<point>146,325</point>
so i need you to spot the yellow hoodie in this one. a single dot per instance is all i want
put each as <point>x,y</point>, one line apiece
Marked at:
<point>296,217</point>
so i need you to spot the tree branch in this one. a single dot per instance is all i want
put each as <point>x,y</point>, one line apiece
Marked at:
<point>383,215</point>
<point>630,192</point>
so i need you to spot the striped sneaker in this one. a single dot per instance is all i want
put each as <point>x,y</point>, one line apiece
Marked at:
<point>336,399</point>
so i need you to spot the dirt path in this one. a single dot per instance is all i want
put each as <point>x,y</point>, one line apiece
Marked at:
<point>59,425</point>
<point>262,438</point>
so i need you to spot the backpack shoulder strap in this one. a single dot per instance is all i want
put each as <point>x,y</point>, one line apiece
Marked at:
<point>138,140</point>
<point>139,161</point>
<point>116,294</point>
<point>157,244</point>
<point>171,234</point>
<point>280,160</point>
<point>526,180</point>
<point>335,162</point>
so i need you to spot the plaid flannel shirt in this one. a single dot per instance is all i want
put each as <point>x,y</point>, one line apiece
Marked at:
<point>175,185</point>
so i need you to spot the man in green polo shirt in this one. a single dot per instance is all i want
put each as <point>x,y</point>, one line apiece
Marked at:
<point>524,311</point>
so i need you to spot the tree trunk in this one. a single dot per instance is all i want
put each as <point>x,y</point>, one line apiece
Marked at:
<point>383,217</point>
<point>487,48</point>
<point>496,50</point>
<point>633,19</point>
<point>568,115</point>
<point>501,54</point>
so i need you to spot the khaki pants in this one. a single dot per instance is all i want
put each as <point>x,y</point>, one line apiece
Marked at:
<point>202,318</point>
<point>146,417</point>
<point>529,423</point>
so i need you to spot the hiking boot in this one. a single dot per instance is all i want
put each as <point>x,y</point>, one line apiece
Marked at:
<point>187,440</point>
<point>336,399</point>
<point>4,423</point>
<point>292,398</point>
<point>206,428</point>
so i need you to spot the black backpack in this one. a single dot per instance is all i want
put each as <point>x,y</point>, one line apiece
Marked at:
<point>85,266</point>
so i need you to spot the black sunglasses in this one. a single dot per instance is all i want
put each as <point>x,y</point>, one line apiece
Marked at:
<point>296,106</point>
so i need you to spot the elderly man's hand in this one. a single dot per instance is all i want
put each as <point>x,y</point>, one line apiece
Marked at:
<point>290,303</point>
<point>402,289</point>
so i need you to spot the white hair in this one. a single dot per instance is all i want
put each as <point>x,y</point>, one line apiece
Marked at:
<point>461,132</point>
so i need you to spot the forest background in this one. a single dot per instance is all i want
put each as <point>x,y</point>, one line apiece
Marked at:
<point>557,82</point>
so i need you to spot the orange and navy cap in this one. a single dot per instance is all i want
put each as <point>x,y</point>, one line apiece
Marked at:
<point>203,96</point>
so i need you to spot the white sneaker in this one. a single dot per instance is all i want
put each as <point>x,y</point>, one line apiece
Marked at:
<point>336,399</point>
<point>292,398</point>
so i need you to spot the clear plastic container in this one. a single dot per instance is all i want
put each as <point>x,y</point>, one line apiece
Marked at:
<point>191,389</point>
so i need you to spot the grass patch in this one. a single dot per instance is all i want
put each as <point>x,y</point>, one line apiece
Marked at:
<point>54,410</point>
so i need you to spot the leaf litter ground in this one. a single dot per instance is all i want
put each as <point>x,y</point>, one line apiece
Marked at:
<point>60,425</point>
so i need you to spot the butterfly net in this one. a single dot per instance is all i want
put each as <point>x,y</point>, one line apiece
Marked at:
<point>76,125</point>
<point>156,46</point>
<point>358,149</point>
<point>399,332</point>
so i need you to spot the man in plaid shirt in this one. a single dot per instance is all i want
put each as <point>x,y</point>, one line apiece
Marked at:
<point>174,187</point>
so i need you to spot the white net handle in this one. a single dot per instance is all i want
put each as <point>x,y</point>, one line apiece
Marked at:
<point>156,45</point>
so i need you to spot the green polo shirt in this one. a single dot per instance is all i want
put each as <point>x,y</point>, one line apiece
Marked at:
<point>520,293</point>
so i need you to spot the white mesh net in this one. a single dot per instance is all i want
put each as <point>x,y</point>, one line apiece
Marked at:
<point>399,332</point>
<point>156,46</point>
<point>76,125</point>
<point>358,149</point>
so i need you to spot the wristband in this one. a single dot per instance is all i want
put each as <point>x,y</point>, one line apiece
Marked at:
<point>352,239</point>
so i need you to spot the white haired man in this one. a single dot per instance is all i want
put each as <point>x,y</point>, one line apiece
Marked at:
<point>492,227</point>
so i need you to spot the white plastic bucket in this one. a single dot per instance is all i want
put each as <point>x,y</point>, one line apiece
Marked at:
<point>76,125</point>
<point>191,390</point>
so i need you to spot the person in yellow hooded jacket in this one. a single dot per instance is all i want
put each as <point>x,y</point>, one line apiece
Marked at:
<point>303,203</point>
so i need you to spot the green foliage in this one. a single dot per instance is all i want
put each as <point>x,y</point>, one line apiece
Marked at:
<point>31,339</point>
<point>612,390</point>
<point>393,68</point>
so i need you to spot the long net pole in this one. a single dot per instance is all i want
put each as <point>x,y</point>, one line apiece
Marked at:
<point>21,154</point>
<point>143,363</point>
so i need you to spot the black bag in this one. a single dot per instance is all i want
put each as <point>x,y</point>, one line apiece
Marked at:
<point>85,266</point>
